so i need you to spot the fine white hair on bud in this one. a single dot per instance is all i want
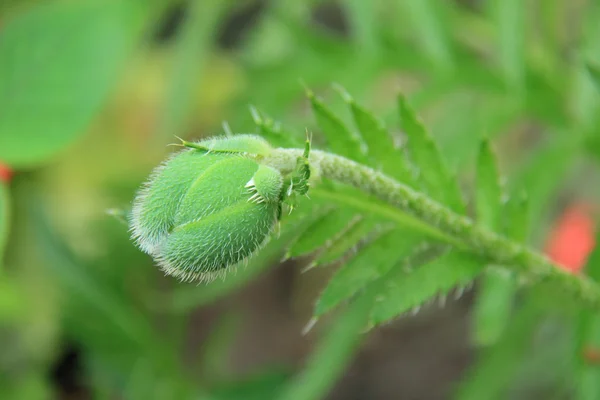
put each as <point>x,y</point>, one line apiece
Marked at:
<point>209,207</point>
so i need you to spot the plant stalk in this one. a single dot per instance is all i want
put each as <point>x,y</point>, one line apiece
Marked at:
<point>477,239</point>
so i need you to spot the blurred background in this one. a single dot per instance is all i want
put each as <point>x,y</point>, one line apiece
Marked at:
<point>91,94</point>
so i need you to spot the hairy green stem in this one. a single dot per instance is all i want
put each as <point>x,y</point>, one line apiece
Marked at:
<point>498,249</point>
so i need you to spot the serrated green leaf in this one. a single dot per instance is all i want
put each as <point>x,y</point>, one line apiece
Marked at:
<point>372,262</point>
<point>403,290</point>
<point>332,354</point>
<point>496,291</point>
<point>272,130</point>
<point>322,231</point>
<point>366,205</point>
<point>192,48</point>
<point>509,26</point>
<point>488,199</point>
<point>435,177</point>
<point>346,242</point>
<point>543,173</point>
<point>380,144</point>
<point>58,62</point>
<point>340,139</point>
<point>500,360</point>
<point>4,219</point>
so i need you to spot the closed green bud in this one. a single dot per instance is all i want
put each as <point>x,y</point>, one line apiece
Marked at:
<point>209,207</point>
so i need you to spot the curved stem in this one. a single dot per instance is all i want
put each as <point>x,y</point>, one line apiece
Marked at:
<point>496,248</point>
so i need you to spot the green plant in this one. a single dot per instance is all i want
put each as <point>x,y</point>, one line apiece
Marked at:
<point>211,207</point>
<point>443,249</point>
<point>90,93</point>
<point>192,186</point>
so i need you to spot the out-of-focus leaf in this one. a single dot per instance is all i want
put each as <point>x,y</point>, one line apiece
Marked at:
<point>191,55</point>
<point>488,191</point>
<point>349,240</point>
<point>543,173</point>
<point>340,139</point>
<point>13,300</point>
<point>517,225</point>
<point>495,294</point>
<point>583,96</point>
<point>594,70</point>
<point>509,26</point>
<point>491,374</point>
<point>332,353</point>
<point>4,219</point>
<point>216,348</point>
<point>272,130</point>
<point>589,336</point>
<point>588,376</point>
<point>404,290</point>
<point>372,262</point>
<point>381,147</point>
<point>363,19</point>
<point>429,28</point>
<point>436,178</point>
<point>58,62</point>
<point>264,386</point>
<point>81,285</point>
<point>322,231</point>
<point>493,306</point>
<point>32,384</point>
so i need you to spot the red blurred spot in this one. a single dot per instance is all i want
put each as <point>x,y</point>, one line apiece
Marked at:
<point>592,355</point>
<point>572,238</point>
<point>5,173</point>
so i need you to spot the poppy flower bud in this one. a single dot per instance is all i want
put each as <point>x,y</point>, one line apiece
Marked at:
<point>208,207</point>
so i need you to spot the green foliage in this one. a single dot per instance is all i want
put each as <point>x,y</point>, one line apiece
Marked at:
<point>495,367</point>
<point>193,49</point>
<point>204,202</point>
<point>522,74</point>
<point>495,297</point>
<point>271,130</point>
<point>359,229</point>
<point>430,30</point>
<point>332,353</point>
<point>380,143</point>
<point>488,197</point>
<point>50,70</point>
<point>435,177</point>
<point>340,139</point>
<point>594,71</point>
<point>509,36</point>
<point>372,262</point>
<point>409,286</point>
<point>330,226</point>
<point>4,219</point>
<point>588,385</point>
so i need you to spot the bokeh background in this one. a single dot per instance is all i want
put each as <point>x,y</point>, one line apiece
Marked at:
<point>85,315</point>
